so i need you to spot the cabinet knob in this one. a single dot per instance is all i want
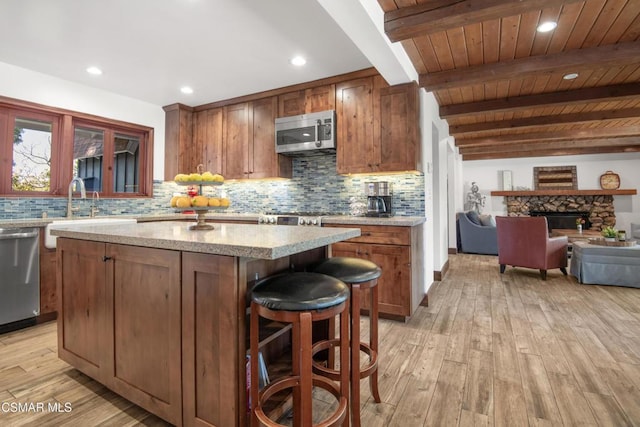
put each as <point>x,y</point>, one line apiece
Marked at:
<point>106,258</point>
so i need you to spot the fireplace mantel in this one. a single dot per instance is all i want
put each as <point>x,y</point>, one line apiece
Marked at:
<point>625,192</point>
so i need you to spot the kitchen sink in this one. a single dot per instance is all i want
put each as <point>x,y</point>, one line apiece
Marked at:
<point>50,241</point>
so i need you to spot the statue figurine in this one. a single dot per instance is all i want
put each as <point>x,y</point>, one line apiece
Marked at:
<point>475,200</point>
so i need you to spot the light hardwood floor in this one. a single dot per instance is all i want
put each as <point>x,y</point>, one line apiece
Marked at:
<point>491,349</point>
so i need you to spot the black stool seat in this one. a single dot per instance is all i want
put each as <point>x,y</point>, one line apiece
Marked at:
<point>349,270</point>
<point>300,292</point>
<point>360,275</point>
<point>300,299</point>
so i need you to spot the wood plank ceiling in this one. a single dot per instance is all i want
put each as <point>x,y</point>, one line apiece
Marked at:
<point>499,82</point>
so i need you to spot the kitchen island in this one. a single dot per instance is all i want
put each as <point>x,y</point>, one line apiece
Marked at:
<point>157,312</point>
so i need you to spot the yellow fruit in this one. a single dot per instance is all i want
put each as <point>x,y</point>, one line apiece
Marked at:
<point>174,200</point>
<point>224,202</point>
<point>214,201</point>
<point>183,202</point>
<point>218,178</point>
<point>195,177</point>
<point>181,177</point>
<point>208,176</point>
<point>200,201</point>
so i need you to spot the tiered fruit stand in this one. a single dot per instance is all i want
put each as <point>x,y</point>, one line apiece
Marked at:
<point>201,211</point>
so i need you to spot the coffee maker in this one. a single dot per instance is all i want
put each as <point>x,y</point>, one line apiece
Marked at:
<point>379,199</point>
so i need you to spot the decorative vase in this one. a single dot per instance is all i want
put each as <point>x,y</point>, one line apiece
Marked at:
<point>579,228</point>
<point>609,239</point>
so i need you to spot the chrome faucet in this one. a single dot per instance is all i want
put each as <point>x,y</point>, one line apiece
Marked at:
<point>94,206</point>
<point>83,194</point>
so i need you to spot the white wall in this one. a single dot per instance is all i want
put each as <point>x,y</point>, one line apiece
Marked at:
<point>27,85</point>
<point>589,168</point>
<point>435,136</point>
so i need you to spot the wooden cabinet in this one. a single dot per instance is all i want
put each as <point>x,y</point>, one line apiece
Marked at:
<point>120,320</point>
<point>395,127</point>
<point>207,140</point>
<point>236,141</point>
<point>178,152</point>
<point>48,292</point>
<point>291,104</point>
<point>248,142</point>
<point>354,125</point>
<point>210,379</point>
<point>398,252</point>
<point>144,344</point>
<point>377,126</point>
<point>86,307</point>
<point>312,100</point>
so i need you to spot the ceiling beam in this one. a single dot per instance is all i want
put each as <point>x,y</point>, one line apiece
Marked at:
<point>557,135</point>
<point>579,96</point>
<point>617,55</point>
<point>440,15</point>
<point>627,141</point>
<point>536,122</point>
<point>553,152</point>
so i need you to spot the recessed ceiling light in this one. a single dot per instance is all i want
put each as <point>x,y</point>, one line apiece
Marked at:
<point>298,61</point>
<point>545,27</point>
<point>570,76</point>
<point>186,90</point>
<point>94,70</point>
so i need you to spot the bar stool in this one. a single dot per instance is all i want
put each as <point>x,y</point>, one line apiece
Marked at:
<point>300,299</point>
<point>360,275</point>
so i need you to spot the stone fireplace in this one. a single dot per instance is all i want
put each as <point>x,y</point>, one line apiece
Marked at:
<point>598,210</point>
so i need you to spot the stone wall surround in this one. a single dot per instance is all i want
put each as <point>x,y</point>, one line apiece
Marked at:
<point>600,208</point>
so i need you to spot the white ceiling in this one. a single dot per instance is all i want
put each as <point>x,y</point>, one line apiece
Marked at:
<point>148,49</point>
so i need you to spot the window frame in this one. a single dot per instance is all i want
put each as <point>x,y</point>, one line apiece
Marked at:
<point>64,123</point>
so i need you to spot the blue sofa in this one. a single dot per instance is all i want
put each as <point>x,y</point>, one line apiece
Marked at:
<point>474,236</point>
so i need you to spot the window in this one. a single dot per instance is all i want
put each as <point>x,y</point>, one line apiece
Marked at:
<point>31,164</point>
<point>47,147</point>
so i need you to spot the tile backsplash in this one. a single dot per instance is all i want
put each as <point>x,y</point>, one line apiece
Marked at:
<point>315,186</point>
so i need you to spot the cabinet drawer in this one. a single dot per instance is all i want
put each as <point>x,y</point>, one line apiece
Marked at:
<point>381,234</point>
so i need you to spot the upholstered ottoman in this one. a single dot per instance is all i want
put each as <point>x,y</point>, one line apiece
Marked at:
<point>606,265</point>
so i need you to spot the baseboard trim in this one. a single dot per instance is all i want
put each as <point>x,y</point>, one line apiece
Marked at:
<point>453,251</point>
<point>439,275</point>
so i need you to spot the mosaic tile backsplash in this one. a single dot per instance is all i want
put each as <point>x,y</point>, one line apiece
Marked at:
<point>315,186</point>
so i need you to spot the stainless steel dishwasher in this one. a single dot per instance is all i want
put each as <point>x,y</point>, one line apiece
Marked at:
<point>19,277</point>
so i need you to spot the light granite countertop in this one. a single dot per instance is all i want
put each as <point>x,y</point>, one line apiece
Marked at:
<point>399,221</point>
<point>241,240</point>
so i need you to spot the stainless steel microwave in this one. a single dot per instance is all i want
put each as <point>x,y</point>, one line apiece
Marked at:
<point>306,134</point>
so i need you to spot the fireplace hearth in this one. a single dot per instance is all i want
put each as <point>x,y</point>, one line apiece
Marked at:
<point>562,210</point>
<point>563,220</point>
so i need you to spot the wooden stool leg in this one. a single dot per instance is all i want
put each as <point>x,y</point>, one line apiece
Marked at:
<point>355,354</point>
<point>254,339</point>
<point>306,370</point>
<point>373,342</point>
<point>295,370</point>
<point>331,360</point>
<point>344,359</point>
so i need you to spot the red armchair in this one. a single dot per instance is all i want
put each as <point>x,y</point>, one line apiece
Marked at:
<point>524,242</point>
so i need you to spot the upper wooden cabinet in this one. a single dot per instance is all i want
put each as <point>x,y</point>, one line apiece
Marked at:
<point>396,131</point>
<point>178,140</point>
<point>235,146</point>
<point>264,161</point>
<point>377,126</point>
<point>305,101</point>
<point>249,141</point>
<point>354,122</point>
<point>207,139</point>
